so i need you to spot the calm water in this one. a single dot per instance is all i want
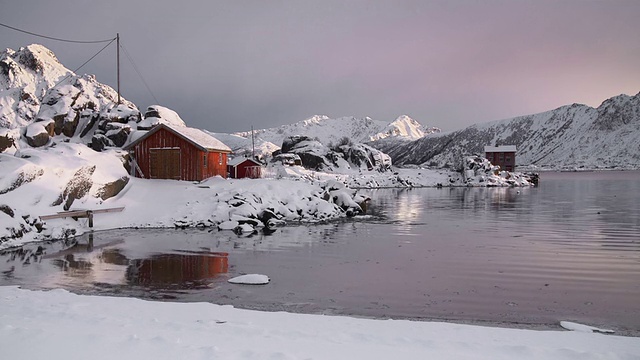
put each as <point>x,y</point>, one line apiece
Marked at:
<point>566,250</point>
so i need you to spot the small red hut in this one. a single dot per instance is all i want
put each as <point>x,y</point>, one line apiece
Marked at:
<point>504,156</point>
<point>180,153</point>
<point>241,167</point>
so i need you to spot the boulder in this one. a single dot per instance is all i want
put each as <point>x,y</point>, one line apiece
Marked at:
<point>119,136</point>
<point>113,188</point>
<point>39,133</point>
<point>99,142</point>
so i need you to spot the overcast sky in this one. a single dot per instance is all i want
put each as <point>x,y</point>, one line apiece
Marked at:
<point>227,65</point>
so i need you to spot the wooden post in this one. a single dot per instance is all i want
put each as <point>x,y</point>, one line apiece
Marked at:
<point>90,216</point>
<point>118,64</point>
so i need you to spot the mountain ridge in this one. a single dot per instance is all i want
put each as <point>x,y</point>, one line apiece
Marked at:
<point>573,135</point>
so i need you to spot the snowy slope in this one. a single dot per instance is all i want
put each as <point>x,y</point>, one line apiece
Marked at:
<point>567,137</point>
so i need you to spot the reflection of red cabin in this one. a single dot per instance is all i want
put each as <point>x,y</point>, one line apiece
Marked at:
<point>239,168</point>
<point>504,156</point>
<point>180,153</point>
<point>176,268</point>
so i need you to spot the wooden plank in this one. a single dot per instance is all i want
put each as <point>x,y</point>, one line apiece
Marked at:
<point>116,209</point>
<point>80,213</point>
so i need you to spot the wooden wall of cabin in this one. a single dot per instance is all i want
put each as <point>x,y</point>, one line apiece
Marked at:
<point>216,164</point>
<point>163,139</point>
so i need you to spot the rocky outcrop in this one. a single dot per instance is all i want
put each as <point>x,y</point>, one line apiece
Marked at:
<point>76,188</point>
<point>113,188</point>
<point>364,156</point>
<point>316,156</point>
<point>19,224</point>
<point>43,93</point>
<point>312,153</point>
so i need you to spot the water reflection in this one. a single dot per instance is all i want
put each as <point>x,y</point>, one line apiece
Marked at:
<point>176,269</point>
<point>81,262</point>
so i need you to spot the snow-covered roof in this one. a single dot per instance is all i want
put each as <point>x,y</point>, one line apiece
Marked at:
<point>197,137</point>
<point>240,159</point>
<point>502,148</point>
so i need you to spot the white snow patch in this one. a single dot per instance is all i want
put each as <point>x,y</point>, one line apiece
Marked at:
<point>583,328</point>
<point>250,279</point>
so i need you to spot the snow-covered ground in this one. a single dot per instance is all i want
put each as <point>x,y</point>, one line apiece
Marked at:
<point>59,325</point>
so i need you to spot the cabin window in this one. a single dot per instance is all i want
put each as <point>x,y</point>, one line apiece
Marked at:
<point>220,156</point>
<point>204,159</point>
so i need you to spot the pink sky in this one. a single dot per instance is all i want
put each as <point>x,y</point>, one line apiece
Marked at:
<point>226,66</point>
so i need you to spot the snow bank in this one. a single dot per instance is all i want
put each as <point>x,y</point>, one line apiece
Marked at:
<point>57,324</point>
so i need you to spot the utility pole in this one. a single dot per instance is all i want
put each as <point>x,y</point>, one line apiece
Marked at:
<point>118,63</point>
<point>253,145</point>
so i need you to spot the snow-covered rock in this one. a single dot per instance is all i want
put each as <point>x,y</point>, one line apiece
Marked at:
<point>37,89</point>
<point>157,114</point>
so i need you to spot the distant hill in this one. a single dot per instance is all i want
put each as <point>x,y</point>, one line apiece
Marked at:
<point>327,131</point>
<point>572,136</point>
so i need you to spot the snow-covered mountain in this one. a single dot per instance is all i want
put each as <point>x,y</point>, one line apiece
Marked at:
<point>571,136</point>
<point>328,131</point>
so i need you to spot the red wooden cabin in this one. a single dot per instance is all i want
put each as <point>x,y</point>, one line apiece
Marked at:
<point>504,156</point>
<point>244,168</point>
<point>180,153</point>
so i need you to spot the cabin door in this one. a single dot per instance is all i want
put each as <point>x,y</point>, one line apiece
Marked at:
<point>165,163</point>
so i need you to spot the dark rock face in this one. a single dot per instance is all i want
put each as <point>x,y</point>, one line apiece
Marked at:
<point>7,210</point>
<point>113,188</point>
<point>119,136</point>
<point>290,142</point>
<point>311,152</point>
<point>5,143</point>
<point>99,142</point>
<point>316,156</point>
<point>76,188</point>
<point>312,161</point>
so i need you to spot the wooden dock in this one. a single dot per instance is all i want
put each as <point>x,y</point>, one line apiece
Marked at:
<point>76,214</point>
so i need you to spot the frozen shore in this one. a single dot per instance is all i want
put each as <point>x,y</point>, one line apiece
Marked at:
<point>57,324</point>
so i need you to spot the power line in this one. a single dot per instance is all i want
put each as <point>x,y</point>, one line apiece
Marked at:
<point>138,72</point>
<point>57,39</point>
<point>68,75</point>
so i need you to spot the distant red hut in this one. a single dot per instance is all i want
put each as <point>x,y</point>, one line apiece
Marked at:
<point>180,153</point>
<point>239,168</point>
<point>504,156</point>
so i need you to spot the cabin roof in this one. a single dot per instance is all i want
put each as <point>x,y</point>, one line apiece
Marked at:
<point>502,148</point>
<point>196,137</point>
<point>239,160</point>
